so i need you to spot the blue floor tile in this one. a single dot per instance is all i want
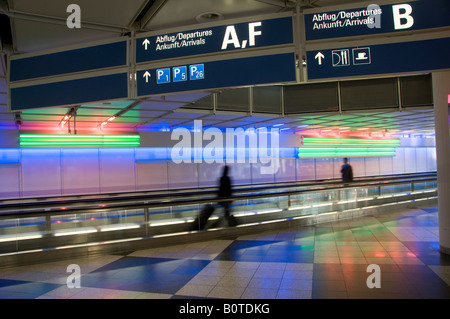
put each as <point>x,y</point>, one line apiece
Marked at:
<point>8,282</point>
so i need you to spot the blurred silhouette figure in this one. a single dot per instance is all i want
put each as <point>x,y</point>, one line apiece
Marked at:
<point>224,192</point>
<point>346,171</point>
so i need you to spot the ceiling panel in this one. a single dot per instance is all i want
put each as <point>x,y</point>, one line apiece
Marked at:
<point>112,104</point>
<point>50,110</point>
<point>52,36</point>
<point>84,111</point>
<point>37,117</point>
<point>223,117</point>
<point>186,97</point>
<point>181,12</point>
<point>144,113</point>
<point>109,12</point>
<point>181,115</point>
<point>158,105</point>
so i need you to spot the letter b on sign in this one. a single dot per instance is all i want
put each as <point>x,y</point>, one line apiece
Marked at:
<point>402,16</point>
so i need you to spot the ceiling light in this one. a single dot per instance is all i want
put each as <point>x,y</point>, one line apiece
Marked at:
<point>209,17</point>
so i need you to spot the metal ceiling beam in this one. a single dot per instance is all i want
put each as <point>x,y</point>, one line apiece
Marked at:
<point>277,3</point>
<point>147,13</point>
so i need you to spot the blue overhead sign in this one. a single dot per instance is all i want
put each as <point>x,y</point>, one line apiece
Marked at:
<point>374,19</point>
<point>70,61</point>
<point>65,77</point>
<point>217,74</point>
<point>99,88</point>
<point>390,58</point>
<point>256,34</point>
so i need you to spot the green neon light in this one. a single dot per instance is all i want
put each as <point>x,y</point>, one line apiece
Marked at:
<point>63,136</point>
<point>346,147</point>
<point>49,140</point>
<point>350,140</point>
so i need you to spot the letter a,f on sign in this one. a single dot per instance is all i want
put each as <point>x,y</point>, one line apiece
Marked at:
<point>374,280</point>
<point>73,20</point>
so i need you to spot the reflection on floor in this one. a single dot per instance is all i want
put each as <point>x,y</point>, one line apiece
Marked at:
<point>324,261</point>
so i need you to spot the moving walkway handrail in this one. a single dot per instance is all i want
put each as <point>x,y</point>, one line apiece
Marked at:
<point>48,208</point>
<point>170,194</point>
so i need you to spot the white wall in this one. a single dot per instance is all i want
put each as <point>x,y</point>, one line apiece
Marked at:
<point>55,172</point>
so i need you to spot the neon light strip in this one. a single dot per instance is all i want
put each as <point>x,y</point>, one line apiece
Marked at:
<point>347,147</point>
<point>43,140</point>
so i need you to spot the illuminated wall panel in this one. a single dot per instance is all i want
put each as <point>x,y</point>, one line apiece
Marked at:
<point>258,173</point>
<point>41,172</point>
<point>209,174</point>
<point>182,175</point>
<point>80,171</point>
<point>151,176</point>
<point>386,165</point>
<point>306,169</point>
<point>151,168</point>
<point>410,160</point>
<point>372,166</point>
<point>399,160</point>
<point>324,168</point>
<point>431,159</point>
<point>358,166</point>
<point>241,173</point>
<point>117,170</point>
<point>10,173</point>
<point>421,159</point>
<point>287,171</point>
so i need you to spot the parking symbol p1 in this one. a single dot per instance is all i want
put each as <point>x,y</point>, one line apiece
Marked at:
<point>163,76</point>
<point>196,72</point>
<point>180,74</point>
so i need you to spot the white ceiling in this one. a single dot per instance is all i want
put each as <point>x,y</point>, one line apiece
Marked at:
<point>41,25</point>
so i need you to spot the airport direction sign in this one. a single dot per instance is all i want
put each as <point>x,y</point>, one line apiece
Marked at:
<point>369,60</point>
<point>274,68</point>
<point>60,77</point>
<point>217,39</point>
<point>70,92</point>
<point>84,59</point>
<point>375,19</point>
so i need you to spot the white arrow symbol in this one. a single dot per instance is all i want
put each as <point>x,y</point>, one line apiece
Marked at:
<point>146,43</point>
<point>320,56</point>
<point>146,76</point>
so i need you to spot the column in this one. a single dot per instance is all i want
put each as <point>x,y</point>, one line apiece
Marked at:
<point>441,91</point>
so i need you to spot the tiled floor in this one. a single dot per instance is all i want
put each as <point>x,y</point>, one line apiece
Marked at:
<point>325,261</point>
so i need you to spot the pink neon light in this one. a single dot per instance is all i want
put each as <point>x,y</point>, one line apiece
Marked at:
<point>448,99</point>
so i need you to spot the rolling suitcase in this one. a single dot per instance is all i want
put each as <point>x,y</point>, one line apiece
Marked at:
<point>200,222</point>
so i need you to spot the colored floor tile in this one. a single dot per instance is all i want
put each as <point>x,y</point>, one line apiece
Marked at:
<point>323,261</point>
